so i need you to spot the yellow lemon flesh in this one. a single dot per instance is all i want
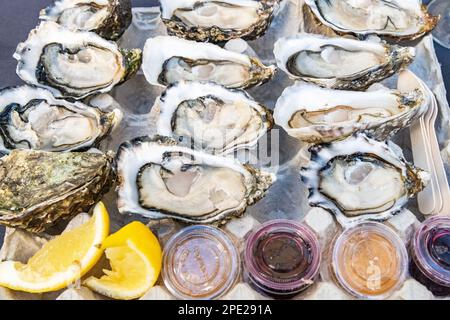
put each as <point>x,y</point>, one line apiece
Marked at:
<point>135,257</point>
<point>61,261</point>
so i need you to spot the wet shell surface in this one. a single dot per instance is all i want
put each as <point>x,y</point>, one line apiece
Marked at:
<point>360,179</point>
<point>340,63</point>
<point>314,114</point>
<point>159,179</point>
<point>108,18</point>
<point>209,117</point>
<point>57,186</point>
<point>218,20</point>
<point>395,19</point>
<point>167,60</point>
<point>32,118</point>
<point>73,64</point>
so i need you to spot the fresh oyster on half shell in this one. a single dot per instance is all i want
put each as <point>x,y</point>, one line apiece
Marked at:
<point>73,64</point>
<point>108,18</point>
<point>209,117</point>
<point>314,114</point>
<point>159,179</point>
<point>32,118</point>
<point>396,19</point>
<point>39,188</point>
<point>218,20</point>
<point>360,179</point>
<point>340,63</point>
<point>167,60</point>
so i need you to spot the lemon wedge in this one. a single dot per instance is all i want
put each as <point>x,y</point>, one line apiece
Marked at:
<point>61,261</point>
<point>135,257</point>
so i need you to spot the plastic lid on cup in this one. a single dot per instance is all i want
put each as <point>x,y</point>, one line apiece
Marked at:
<point>200,262</point>
<point>282,258</point>
<point>430,249</point>
<point>370,261</point>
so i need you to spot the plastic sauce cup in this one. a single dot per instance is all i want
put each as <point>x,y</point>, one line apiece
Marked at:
<point>430,255</point>
<point>281,258</point>
<point>200,262</point>
<point>369,261</point>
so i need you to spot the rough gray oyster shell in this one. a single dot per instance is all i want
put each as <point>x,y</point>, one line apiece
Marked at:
<point>73,64</point>
<point>39,188</point>
<point>159,179</point>
<point>107,18</point>
<point>218,20</point>
<point>360,179</point>
<point>32,118</point>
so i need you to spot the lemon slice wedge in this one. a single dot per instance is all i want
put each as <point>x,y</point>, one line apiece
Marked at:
<point>135,257</point>
<point>61,261</point>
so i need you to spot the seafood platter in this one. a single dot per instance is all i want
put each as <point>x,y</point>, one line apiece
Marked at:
<point>251,149</point>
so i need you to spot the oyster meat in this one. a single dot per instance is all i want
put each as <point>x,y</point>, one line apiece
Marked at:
<point>32,118</point>
<point>396,19</point>
<point>167,60</point>
<point>159,179</point>
<point>73,64</point>
<point>218,20</point>
<point>360,179</point>
<point>340,63</point>
<point>38,188</point>
<point>314,114</point>
<point>209,117</point>
<point>108,18</point>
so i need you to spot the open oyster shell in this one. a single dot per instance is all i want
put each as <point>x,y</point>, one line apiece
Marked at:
<point>159,179</point>
<point>340,63</point>
<point>395,19</point>
<point>167,60</point>
<point>360,179</point>
<point>108,18</point>
<point>32,118</point>
<point>218,20</point>
<point>314,114</point>
<point>73,64</point>
<point>209,117</point>
<point>38,188</point>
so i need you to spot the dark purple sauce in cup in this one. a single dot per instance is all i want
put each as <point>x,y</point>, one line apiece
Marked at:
<point>281,258</point>
<point>430,252</point>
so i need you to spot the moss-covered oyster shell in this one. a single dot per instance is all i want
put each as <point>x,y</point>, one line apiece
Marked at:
<point>38,188</point>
